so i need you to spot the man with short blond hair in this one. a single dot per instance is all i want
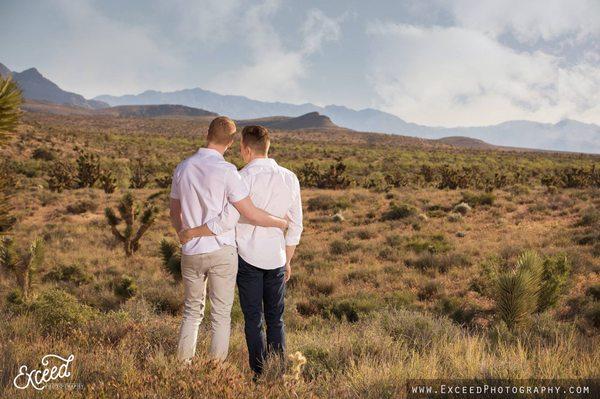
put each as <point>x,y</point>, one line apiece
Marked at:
<point>203,185</point>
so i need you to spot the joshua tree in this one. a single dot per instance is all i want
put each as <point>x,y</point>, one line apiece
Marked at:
<point>129,213</point>
<point>23,265</point>
<point>171,258</point>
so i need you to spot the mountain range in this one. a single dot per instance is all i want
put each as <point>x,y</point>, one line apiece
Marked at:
<point>566,135</point>
<point>36,87</point>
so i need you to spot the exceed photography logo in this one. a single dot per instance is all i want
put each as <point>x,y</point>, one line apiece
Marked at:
<point>54,368</point>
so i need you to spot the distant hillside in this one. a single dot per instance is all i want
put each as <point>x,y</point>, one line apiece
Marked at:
<point>312,120</point>
<point>154,111</point>
<point>567,135</point>
<point>467,142</point>
<point>132,111</point>
<point>36,87</point>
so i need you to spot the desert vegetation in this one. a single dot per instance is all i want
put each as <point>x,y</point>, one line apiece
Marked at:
<point>418,260</point>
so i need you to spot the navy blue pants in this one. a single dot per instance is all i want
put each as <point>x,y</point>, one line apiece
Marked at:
<point>262,289</point>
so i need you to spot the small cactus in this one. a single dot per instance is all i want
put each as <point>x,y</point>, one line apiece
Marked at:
<point>23,265</point>
<point>129,213</point>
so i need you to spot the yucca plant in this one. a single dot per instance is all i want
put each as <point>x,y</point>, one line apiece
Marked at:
<point>517,292</point>
<point>10,106</point>
<point>131,213</point>
<point>10,112</point>
<point>171,258</point>
<point>22,265</point>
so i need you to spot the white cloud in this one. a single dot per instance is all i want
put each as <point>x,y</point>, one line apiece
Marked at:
<point>209,21</point>
<point>275,72</point>
<point>458,76</point>
<point>96,49</point>
<point>531,20</point>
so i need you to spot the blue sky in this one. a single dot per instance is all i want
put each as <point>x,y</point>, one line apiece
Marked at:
<point>446,63</point>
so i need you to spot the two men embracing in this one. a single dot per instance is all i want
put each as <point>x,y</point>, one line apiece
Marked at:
<point>235,227</point>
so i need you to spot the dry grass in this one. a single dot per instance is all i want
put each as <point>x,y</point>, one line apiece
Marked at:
<point>372,302</point>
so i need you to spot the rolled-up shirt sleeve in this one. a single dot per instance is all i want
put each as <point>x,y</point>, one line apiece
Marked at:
<point>237,189</point>
<point>225,221</point>
<point>295,227</point>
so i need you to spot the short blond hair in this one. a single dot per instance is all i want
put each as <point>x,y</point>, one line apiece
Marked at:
<point>221,131</point>
<point>256,138</point>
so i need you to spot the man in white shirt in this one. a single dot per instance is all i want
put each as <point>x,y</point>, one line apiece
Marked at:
<point>265,253</point>
<point>203,185</point>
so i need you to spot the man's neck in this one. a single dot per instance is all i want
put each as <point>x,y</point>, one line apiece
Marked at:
<point>253,157</point>
<point>219,148</point>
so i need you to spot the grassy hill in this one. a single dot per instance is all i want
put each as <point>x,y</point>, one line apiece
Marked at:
<point>395,277</point>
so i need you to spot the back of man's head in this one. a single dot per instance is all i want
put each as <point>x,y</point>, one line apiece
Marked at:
<point>257,139</point>
<point>221,131</point>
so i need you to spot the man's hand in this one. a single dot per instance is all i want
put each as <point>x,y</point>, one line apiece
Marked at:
<point>185,236</point>
<point>288,271</point>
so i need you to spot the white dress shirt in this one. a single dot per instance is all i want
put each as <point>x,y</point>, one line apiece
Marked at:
<point>276,190</point>
<point>204,184</point>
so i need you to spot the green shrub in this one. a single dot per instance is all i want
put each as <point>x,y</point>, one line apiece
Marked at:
<point>68,273</point>
<point>434,244</point>
<point>164,299</point>
<point>366,276</point>
<point>554,279</point>
<point>82,206</point>
<point>340,247</point>
<point>397,212</point>
<point>44,154</point>
<point>350,310</point>
<point>440,262</point>
<point>456,309</point>
<point>59,312</point>
<point>321,286</point>
<point>477,199</point>
<point>463,208</point>
<point>592,314</point>
<point>125,287</point>
<point>171,258</point>
<point>594,291</point>
<point>419,330</point>
<point>430,290</point>
<point>327,202</point>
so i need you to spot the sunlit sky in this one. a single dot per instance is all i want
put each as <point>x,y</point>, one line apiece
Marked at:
<point>447,63</point>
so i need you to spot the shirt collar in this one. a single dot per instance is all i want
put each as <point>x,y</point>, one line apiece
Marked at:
<point>210,152</point>
<point>262,162</point>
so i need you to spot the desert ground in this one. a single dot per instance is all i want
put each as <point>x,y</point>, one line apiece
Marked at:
<point>410,254</point>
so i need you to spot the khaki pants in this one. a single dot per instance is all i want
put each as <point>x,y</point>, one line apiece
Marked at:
<point>219,269</point>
